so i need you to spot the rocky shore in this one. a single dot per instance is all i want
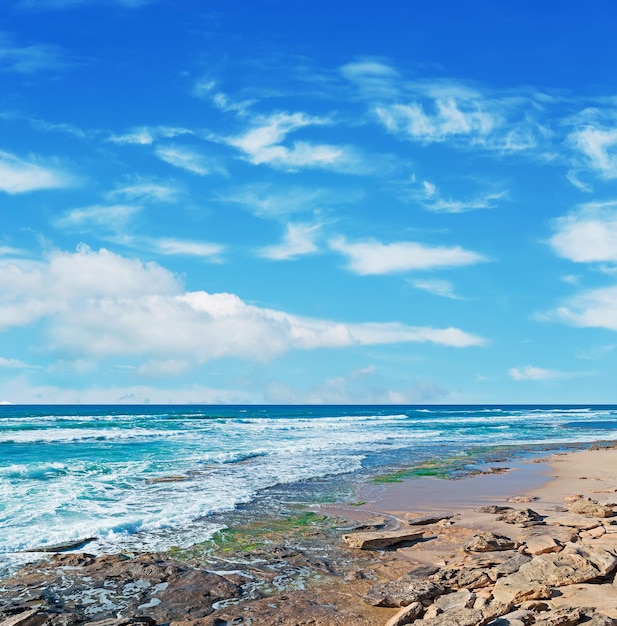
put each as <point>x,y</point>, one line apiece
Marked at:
<point>547,558</point>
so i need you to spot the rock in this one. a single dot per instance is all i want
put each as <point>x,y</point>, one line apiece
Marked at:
<point>533,579</point>
<point>542,544</point>
<point>462,617</point>
<point>125,621</point>
<point>401,592</point>
<point>522,517</point>
<point>454,579</point>
<point>520,617</point>
<point>566,616</point>
<point>463,599</point>
<point>572,521</point>
<point>29,617</point>
<point>513,564</point>
<point>573,498</point>
<point>522,499</point>
<point>376,540</point>
<point>598,619</point>
<point>487,542</point>
<point>406,615</point>
<point>418,520</point>
<point>602,558</point>
<point>63,547</point>
<point>431,612</point>
<point>593,533</point>
<point>493,509</point>
<point>591,508</point>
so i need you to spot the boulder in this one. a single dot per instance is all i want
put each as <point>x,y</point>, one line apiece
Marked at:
<point>463,599</point>
<point>487,542</point>
<point>513,564</point>
<point>385,539</point>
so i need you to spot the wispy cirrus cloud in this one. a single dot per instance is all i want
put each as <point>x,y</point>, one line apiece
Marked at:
<point>530,372</point>
<point>588,234</point>
<point>109,217</point>
<point>437,287</point>
<point>147,135</point>
<point>30,59</point>
<point>147,190</point>
<point>189,159</point>
<point>263,143</point>
<point>298,240</point>
<point>373,257</point>
<point>19,175</point>
<point>591,308</point>
<point>432,199</point>
<point>183,247</point>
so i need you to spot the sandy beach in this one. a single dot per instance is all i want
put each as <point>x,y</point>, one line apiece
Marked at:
<point>523,543</point>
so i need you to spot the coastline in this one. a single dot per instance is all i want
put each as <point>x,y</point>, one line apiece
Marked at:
<point>303,571</point>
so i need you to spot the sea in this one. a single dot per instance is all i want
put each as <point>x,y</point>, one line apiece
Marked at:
<point>141,478</point>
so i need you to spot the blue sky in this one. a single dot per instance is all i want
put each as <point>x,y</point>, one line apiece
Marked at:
<point>297,202</point>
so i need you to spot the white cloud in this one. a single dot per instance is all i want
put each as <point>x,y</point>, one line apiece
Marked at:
<point>373,77</point>
<point>147,135</point>
<point>263,201</point>
<point>111,217</point>
<point>431,198</point>
<point>437,287</point>
<point>374,257</point>
<point>535,373</point>
<point>183,247</point>
<point>587,234</point>
<point>594,308</point>
<point>299,239</point>
<point>12,363</point>
<point>100,305</point>
<point>262,144</point>
<point>147,190</point>
<point>20,175</point>
<point>599,146</point>
<point>188,159</point>
<point>205,88</point>
<point>29,59</point>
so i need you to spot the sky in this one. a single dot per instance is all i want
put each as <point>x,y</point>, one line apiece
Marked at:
<point>282,201</point>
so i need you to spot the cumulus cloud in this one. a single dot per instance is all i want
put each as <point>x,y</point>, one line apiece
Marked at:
<point>99,304</point>
<point>593,308</point>
<point>299,239</point>
<point>587,234</point>
<point>374,257</point>
<point>24,175</point>
<point>12,363</point>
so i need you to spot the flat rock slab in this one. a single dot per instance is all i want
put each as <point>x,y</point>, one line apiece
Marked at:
<point>420,520</point>
<point>572,521</point>
<point>385,539</point>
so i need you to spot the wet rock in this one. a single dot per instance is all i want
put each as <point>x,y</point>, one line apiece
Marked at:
<point>385,539</point>
<point>402,592</point>
<point>28,617</point>
<point>522,517</point>
<point>63,547</point>
<point>488,542</point>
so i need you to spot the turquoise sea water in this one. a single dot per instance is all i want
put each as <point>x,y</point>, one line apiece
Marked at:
<point>148,477</point>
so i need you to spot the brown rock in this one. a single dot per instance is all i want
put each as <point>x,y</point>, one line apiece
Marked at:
<point>406,615</point>
<point>522,499</point>
<point>462,617</point>
<point>29,617</point>
<point>487,542</point>
<point>463,599</point>
<point>566,616</point>
<point>493,509</point>
<point>542,544</point>
<point>591,508</point>
<point>401,592</point>
<point>572,521</point>
<point>376,540</point>
<point>418,520</point>
<point>454,578</point>
<point>522,517</point>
